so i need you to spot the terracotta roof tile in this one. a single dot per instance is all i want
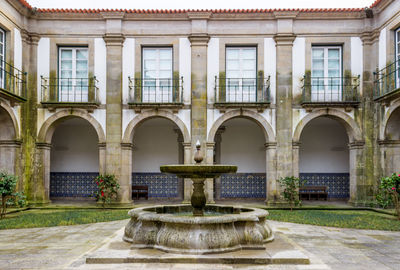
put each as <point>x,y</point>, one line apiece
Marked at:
<point>169,11</point>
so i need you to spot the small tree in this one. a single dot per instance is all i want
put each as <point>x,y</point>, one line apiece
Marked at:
<point>390,186</point>
<point>290,190</point>
<point>8,195</point>
<point>107,188</point>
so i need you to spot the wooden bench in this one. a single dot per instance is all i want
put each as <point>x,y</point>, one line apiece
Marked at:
<point>313,192</point>
<point>140,191</point>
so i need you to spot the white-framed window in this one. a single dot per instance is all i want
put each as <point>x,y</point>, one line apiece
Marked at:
<point>2,57</point>
<point>73,74</point>
<point>157,77</point>
<point>241,74</point>
<point>397,44</point>
<point>326,73</point>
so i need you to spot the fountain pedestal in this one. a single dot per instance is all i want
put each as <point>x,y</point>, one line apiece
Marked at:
<point>198,199</point>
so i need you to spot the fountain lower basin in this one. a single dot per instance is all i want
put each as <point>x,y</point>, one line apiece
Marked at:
<point>169,229</point>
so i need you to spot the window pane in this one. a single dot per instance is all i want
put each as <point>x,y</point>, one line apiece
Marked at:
<point>166,64</point>
<point>232,53</point>
<point>398,36</point>
<point>81,74</point>
<point>165,74</point>
<point>333,73</point>
<point>82,54</point>
<point>1,36</point>
<point>249,74</point>
<point>81,65</point>
<point>67,64</point>
<point>317,53</point>
<point>232,74</point>
<point>165,53</point>
<point>232,65</point>
<point>66,54</point>
<point>1,49</point>
<point>333,53</point>
<point>317,73</point>
<point>66,74</point>
<point>149,53</point>
<point>333,64</point>
<point>318,64</point>
<point>149,64</point>
<point>150,74</point>
<point>249,64</point>
<point>249,53</point>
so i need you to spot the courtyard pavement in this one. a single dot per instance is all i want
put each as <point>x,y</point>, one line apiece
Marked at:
<point>65,247</point>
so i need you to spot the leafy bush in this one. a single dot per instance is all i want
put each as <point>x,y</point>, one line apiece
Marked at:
<point>290,190</point>
<point>107,188</point>
<point>8,195</point>
<point>390,192</point>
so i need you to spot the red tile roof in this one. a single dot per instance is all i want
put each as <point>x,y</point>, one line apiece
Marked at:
<point>171,11</point>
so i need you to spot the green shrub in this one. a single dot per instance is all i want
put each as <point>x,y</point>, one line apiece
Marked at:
<point>290,190</point>
<point>8,195</point>
<point>107,188</point>
<point>390,192</point>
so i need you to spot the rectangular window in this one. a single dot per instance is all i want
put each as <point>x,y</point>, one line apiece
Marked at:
<point>73,74</point>
<point>241,74</point>
<point>326,73</point>
<point>157,79</point>
<point>2,57</point>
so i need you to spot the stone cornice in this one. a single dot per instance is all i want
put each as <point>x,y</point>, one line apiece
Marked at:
<point>11,143</point>
<point>127,146</point>
<point>286,14</point>
<point>43,145</point>
<point>270,145</point>
<point>389,142</point>
<point>199,15</point>
<point>114,39</point>
<point>284,39</point>
<point>356,145</point>
<point>369,37</point>
<point>116,15</point>
<point>199,39</point>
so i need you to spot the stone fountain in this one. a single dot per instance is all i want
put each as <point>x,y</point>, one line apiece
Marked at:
<point>198,228</point>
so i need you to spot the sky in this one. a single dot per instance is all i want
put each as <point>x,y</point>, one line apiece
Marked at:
<point>199,4</point>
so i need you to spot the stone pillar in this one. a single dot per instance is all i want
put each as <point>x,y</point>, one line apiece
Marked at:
<point>390,153</point>
<point>209,183</point>
<point>126,170</point>
<point>370,114</point>
<point>33,182</point>
<point>272,188</point>
<point>284,44</point>
<point>217,149</point>
<point>114,42</point>
<point>187,183</point>
<point>42,171</point>
<point>357,183</point>
<point>296,158</point>
<point>102,158</point>
<point>9,152</point>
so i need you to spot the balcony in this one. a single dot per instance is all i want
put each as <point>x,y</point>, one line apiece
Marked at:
<point>331,92</point>
<point>387,83</point>
<point>12,83</point>
<point>155,93</point>
<point>242,92</point>
<point>70,93</point>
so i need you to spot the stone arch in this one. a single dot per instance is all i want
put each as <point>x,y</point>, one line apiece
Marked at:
<point>251,115</point>
<point>352,129</point>
<point>386,118</point>
<point>11,114</point>
<point>49,126</point>
<point>135,122</point>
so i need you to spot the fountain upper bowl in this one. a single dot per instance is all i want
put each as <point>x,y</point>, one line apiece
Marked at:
<point>198,170</point>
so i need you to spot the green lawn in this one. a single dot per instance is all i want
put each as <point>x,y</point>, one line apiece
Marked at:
<point>338,218</point>
<point>360,219</point>
<point>50,218</point>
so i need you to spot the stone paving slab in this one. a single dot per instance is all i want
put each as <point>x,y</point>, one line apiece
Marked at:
<point>117,251</point>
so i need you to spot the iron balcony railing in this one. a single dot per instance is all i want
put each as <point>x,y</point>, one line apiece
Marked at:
<point>156,91</point>
<point>331,89</point>
<point>12,81</point>
<point>242,90</point>
<point>69,90</point>
<point>387,80</point>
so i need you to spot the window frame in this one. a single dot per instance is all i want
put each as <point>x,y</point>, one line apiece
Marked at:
<point>158,88</point>
<point>397,56</point>
<point>250,97</point>
<point>3,60</point>
<point>84,91</point>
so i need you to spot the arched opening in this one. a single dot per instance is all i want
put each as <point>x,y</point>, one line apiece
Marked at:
<point>74,159</point>
<point>240,141</point>
<point>324,156</point>
<point>157,141</point>
<point>392,143</point>
<point>7,144</point>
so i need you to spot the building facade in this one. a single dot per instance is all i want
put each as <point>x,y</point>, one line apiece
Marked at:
<point>312,93</point>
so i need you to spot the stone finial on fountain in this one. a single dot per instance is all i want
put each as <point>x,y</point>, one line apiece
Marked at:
<point>198,158</point>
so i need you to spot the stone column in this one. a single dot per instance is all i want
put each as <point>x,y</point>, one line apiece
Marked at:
<point>42,171</point>
<point>284,44</point>
<point>390,153</point>
<point>187,183</point>
<point>271,184</point>
<point>114,42</point>
<point>9,155</point>
<point>357,183</point>
<point>126,170</point>
<point>33,181</point>
<point>209,183</point>
<point>217,149</point>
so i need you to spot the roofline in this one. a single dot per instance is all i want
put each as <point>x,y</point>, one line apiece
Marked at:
<point>175,11</point>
